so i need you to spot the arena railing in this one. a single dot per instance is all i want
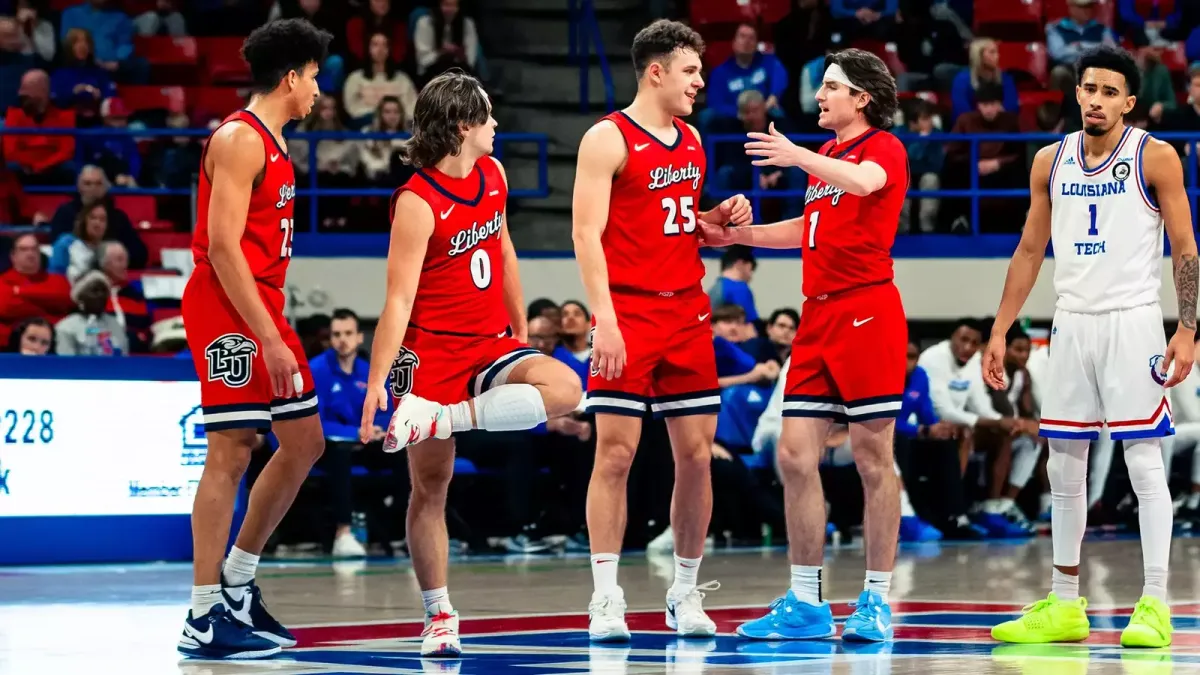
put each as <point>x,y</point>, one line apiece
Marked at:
<point>583,37</point>
<point>541,141</point>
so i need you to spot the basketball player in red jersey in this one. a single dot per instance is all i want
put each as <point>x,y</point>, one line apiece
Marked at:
<point>855,191</point>
<point>637,189</point>
<point>452,333</point>
<point>253,374</point>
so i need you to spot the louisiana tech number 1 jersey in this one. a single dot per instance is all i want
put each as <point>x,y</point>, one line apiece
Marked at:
<point>848,239</point>
<point>650,240</point>
<point>267,239</point>
<point>461,290</point>
<point>1105,227</point>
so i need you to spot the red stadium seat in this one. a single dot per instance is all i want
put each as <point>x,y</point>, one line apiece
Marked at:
<point>1154,9</point>
<point>716,53</point>
<point>722,11</point>
<point>223,63</point>
<point>215,101</point>
<point>137,207</point>
<point>1028,57</point>
<point>886,51</point>
<point>1010,19</point>
<point>1175,58</point>
<point>771,11</point>
<point>1057,9</point>
<point>140,98</point>
<point>157,241</point>
<point>1030,102</point>
<point>43,204</point>
<point>168,51</point>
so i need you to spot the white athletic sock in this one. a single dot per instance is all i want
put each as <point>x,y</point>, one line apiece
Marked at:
<point>239,567</point>
<point>1067,469</point>
<point>509,407</point>
<point>1156,518</point>
<point>879,582</point>
<point>436,599</point>
<point>1025,454</point>
<point>686,570</point>
<point>604,572</point>
<point>806,583</point>
<point>906,509</point>
<point>1193,501</point>
<point>203,599</point>
<point>1065,586</point>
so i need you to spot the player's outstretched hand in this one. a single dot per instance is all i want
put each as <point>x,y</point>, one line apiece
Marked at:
<point>993,362</point>
<point>608,350</point>
<point>376,400</point>
<point>712,234</point>
<point>773,148</point>
<point>1182,352</point>
<point>285,372</point>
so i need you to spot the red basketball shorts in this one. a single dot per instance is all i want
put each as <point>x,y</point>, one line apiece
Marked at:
<point>849,356</point>
<point>450,367</point>
<point>235,387</point>
<point>669,362</point>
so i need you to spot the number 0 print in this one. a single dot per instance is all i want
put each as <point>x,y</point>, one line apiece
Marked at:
<point>684,208</point>
<point>481,269</point>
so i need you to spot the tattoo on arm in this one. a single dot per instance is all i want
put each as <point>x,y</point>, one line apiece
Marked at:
<point>1187,275</point>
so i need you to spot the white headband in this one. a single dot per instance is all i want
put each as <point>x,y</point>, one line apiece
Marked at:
<point>834,73</point>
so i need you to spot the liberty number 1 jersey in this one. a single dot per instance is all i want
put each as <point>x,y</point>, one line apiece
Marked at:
<point>461,290</point>
<point>267,239</point>
<point>650,239</point>
<point>1105,227</point>
<point>848,239</point>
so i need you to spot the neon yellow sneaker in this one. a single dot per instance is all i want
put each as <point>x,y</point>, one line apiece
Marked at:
<point>1049,620</point>
<point>1150,625</point>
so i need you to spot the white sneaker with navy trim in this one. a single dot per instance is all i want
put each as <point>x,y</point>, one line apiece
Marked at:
<point>686,616</point>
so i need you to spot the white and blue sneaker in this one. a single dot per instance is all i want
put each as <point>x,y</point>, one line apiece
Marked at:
<point>247,606</point>
<point>218,636</point>
<point>790,619</point>
<point>871,620</point>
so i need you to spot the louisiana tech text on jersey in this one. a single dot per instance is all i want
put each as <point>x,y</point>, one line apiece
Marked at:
<point>468,238</point>
<point>666,176</point>
<point>1093,189</point>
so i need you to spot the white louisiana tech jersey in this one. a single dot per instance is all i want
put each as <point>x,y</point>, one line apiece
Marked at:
<point>1105,227</point>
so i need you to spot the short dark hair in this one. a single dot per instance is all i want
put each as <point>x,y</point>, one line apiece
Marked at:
<point>582,307</point>
<point>989,92</point>
<point>539,306</point>
<point>1015,333</point>
<point>785,311</point>
<point>660,40</point>
<point>1115,59</point>
<point>277,48</point>
<point>450,101</point>
<point>872,74</point>
<point>728,312</point>
<point>342,313</point>
<point>969,323</point>
<point>738,253</point>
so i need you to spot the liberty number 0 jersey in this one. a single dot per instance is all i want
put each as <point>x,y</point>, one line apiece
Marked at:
<point>267,239</point>
<point>650,240</point>
<point>848,239</point>
<point>1105,227</point>
<point>461,290</point>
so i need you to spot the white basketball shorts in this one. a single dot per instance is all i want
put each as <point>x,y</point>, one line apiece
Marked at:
<point>1107,369</point>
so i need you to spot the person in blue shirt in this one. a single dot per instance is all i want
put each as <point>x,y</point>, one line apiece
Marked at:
<point>865,19</point>
<point>733,286</point>
<point>112,34</point>
<point>746,69</point>
<point>745,384</point>
<point>984,55</point>
<point>1079,31</point>
<point>340,380</point>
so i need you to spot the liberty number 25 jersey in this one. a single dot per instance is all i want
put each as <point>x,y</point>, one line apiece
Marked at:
<point>650,240</point>
<point>848,239</point>
<point>267,239</point>
<point>461,290</point>
<point>1105,227</point>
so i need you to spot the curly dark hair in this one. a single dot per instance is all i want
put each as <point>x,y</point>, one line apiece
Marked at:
<point>1115,59</point>
<point>871,73</point>
<point>277,48</point>
<point>449,102</point>
<point>660,40</point>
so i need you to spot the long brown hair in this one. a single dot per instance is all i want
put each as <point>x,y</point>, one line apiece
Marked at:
<point>449,102</point>
<point>871,73</point>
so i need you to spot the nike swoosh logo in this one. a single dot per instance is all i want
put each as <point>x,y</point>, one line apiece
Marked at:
<point>205,636</point>
<point>858,323</point>
<point>702,316</point>
<point>493,193</point>
<point>640,147</point>
<point>504,334</point>
<point>274,156</point>
<point>446,213</point>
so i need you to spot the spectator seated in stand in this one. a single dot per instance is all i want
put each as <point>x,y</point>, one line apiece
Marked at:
<point>1017,401</point>
<point>925,162</point>
<point>78,83</point>
<point>745,384</point>
<point>746,70</point>
<point>337,159</point>
<point>445,38</point>
<point>93,185</point>
<point>1149,23</point>
<point>865,19</point>
<point>984,69</point>
<point>1079,31</point>
<point>13,62</point>
<point>127,300</point>
<point>27,291</point>
<point>733,286</point>
<point>575,349</point>
<point>91,330</point>
<point>379,155</point>
<point>1157,93</point>
<point>31,337</point>
<point>38,159</point>
<point>118,154</point>
<point>735,172</point>
<point>38,38</point>
<point>74,253</point>
<point>379,77</point>
<point>918,425</point>
<point>112,33</point>
<point>1001,164</point>
<point>777,344</point>
<point>164,20</point>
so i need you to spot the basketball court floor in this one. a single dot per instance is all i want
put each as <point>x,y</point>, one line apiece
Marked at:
<point>529,615</point>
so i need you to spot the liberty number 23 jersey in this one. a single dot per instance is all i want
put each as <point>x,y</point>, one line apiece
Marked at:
<point>1105,227</point>
<point>650,240</point>
<point>461,289</point>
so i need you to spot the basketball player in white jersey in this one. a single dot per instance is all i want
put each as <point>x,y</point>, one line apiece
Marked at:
<point>1102,196</point>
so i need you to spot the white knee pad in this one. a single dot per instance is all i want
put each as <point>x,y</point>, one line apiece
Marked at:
<point>1067,467</point>
<point>1143,459</point>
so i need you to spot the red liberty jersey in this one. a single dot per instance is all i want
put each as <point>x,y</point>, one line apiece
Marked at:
<point>847,239</point>
<point>267,240</point>
<point>650,240</point>
<point>461,290</point>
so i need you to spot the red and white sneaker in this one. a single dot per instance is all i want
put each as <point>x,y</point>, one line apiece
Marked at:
<point>441,635</point>
<point>415,420</point>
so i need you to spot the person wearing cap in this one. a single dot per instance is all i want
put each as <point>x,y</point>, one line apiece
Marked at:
<point>117,154</point>
<point>91,331</point>
<point>1070,36</point>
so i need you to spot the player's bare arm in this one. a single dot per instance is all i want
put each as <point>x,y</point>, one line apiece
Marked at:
<point>1023,269</point>
<point>1164,173</point>
<point>234,159</point>
<point>735,209</point>
<point>601,155</point>
<point>774,149</point>
<point>514,299</point>
<point>412,226</point>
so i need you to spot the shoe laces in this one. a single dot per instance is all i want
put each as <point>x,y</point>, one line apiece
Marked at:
<point>1143,611</point>
<point>439,625</point>
<point>607,606</point>
<point>691,600</point>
